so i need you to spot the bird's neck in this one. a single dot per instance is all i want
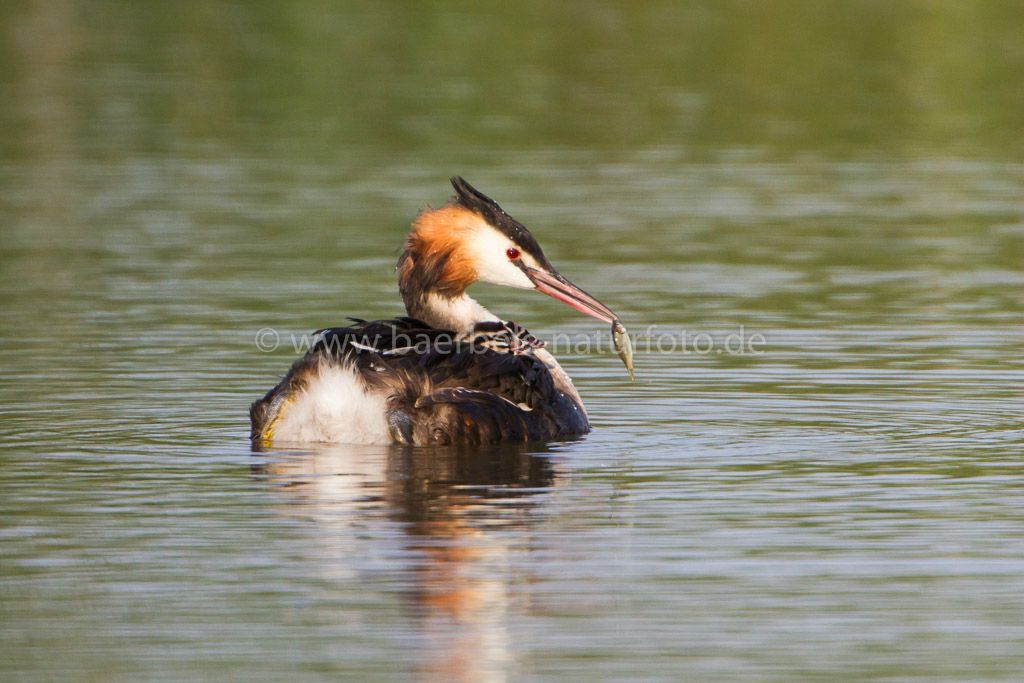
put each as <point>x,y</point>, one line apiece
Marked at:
<point>457,313</point>
<point>433,286</point>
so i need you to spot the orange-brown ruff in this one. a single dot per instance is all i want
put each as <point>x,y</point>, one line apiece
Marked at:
<point>434,245</point>
<point>450,372</point>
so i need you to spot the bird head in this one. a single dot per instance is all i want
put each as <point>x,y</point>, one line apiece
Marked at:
<point>471,239</point>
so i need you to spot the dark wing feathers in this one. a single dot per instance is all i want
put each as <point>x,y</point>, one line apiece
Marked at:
<point>441,390</point>
<point>459,415</point>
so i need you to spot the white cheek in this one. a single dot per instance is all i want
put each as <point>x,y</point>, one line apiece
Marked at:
<point>504,272</point>
<point>493,264</point>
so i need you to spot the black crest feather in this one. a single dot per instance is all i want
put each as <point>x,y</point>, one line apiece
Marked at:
<point>473,199</point>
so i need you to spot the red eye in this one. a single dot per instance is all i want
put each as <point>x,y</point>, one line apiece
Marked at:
<point>512,253</point>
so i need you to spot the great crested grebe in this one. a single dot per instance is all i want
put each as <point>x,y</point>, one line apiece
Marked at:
<point>451,372</point>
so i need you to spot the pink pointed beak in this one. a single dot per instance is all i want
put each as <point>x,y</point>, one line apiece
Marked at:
<point>557,287</point>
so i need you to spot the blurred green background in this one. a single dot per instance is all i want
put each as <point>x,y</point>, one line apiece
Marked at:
<point>454,82</point>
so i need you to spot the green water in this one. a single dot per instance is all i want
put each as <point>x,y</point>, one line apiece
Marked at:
<point>844,179</point>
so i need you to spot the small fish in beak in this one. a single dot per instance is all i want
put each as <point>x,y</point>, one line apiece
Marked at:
<point>557,287</point>
<point>623,346</point>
